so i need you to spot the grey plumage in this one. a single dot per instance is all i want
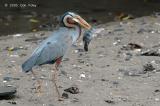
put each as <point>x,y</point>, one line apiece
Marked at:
<point>52,48</point>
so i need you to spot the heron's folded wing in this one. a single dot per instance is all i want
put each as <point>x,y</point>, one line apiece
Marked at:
<point>50,52</point>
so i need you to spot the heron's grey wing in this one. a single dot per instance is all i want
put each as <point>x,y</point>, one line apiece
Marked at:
<point>53,47</point>
<point>51,51</point>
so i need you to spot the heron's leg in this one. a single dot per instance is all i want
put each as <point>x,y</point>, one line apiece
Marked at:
<point>39,83</point>
<point>58,61</point>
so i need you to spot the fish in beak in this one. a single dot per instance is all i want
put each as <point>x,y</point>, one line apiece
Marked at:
<point>87,37</point>
<point>81,22</point>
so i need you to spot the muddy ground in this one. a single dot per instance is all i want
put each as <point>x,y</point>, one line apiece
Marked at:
<point>121,68</point>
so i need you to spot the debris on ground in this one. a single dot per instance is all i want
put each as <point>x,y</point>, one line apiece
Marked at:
<point>110,101</point>
<point>17,35</point>
<point>157,90</point>
<point>151,53</point>
<point>131,46</point>
<point>82,75</point>
<point>148,67</point>
<point>10,78</point>
<point>12,102</point>
<point>6,91</point>
<point>72,90</point>
<point>65,95</point>
<point>14,48</point>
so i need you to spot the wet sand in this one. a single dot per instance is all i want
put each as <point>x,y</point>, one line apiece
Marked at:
<point>112,73</point>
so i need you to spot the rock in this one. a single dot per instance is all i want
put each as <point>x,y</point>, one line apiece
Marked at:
<point>6,91</point>
<point>104,79</point>
<point>10,78</point>
<point>131,46</point>
<point>151,53</point>
<point>148,68</point>
<point>110,101</point>
<point>157,90</point>
<point>115,83</point>
<point>72,90</point>
<point>65,95</point>
<point>157,99</point>
<point>82,75</point>
<point>117,42</point>
<point>12,102</point>
<point>17,35</point>
<point>13,48</point>
<point>81,61</point>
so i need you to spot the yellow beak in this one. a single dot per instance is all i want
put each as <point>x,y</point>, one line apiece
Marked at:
<point>82,22</point>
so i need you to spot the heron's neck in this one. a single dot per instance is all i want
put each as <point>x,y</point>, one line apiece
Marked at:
<point>77,32</point>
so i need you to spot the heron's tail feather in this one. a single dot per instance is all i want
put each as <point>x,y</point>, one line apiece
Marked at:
<point>27,65</point>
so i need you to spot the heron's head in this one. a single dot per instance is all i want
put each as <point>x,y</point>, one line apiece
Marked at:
<point>70,19</point>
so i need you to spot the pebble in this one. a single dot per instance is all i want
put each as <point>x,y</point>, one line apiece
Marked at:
<point>82,75</point>
<point>14,55</point>
<point>104,79</point>
<point>150,53</point>
<point>131,46</point>
<point>148,67</point>
<point>65,95</point>
<point>12,102</point>
<point>75,51</point>
<point>72,90</point>
<point>110,101</point>
<point>157,90</point>
<point>17,35</point>
<point>117,42</point>
<point>157,99</point>
<point>6,91</point>
<point>10,78</point>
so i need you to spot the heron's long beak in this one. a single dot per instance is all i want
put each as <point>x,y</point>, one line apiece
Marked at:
<point>82,22</point>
